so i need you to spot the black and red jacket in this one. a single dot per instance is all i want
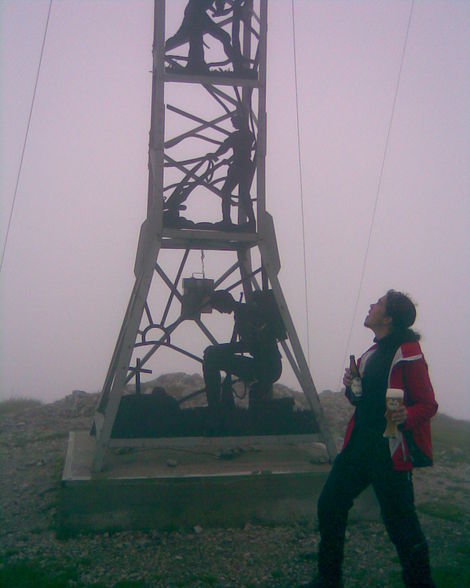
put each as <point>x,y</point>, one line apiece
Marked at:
<point>409,372</point>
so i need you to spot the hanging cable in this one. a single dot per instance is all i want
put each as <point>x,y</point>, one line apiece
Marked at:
<point>203,255</point>
<point>26,136</point>
<point>301,181</point>
<point>379,184</point>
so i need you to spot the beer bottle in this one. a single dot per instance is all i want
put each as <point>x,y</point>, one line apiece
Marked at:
<point>356,384</point>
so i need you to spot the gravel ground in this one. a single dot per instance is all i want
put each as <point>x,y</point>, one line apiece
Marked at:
<point>32,451</point>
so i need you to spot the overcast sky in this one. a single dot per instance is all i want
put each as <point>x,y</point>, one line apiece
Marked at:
<point>82,193</point>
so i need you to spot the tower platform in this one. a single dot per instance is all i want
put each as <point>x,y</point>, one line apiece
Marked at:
<point>182,483</point>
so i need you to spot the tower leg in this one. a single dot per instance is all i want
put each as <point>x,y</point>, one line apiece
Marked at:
<point>147,254</point>
<point>111,397</point>
<point>271,264</point>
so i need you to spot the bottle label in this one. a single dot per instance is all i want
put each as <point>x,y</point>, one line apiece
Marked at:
<point>356,387</point>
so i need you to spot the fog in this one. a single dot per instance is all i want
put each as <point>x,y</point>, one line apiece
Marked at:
<point>385,181</point>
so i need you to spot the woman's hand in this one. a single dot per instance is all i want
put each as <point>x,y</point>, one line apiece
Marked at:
<point>347,378</point>
<point>399,415</point>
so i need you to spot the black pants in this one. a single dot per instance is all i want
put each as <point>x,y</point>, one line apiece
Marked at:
<point>364,462</point>
<point>265,369</point>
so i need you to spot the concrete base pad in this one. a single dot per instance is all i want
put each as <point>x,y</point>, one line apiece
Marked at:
<point>184,483</point>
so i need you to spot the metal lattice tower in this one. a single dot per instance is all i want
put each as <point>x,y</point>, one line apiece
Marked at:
<point>206,196</point>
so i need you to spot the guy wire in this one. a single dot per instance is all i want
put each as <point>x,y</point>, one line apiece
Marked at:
<point>379,186</point>
<point>26,136</point>
<point>300,181</point>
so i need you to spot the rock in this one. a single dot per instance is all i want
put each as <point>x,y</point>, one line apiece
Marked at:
<point>457,451</point>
